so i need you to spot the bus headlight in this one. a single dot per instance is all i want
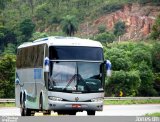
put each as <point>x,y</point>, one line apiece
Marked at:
<point>97,100</point>
<point>55,98</point>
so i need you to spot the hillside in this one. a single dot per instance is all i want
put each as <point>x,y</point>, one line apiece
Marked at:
<point>27,20</point>
<point>138,20</point>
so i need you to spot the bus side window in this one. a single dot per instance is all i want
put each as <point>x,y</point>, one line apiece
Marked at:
<point>41,55</point>
<point>38,56</point>
<point>35,56</point>
<point>23,55</point>
<point>31,57</point>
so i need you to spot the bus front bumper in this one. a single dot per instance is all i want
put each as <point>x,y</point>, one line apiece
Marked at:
<point>77,106</point>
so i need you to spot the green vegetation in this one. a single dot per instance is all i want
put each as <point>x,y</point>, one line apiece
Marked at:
<point>129,102</point>
<point>69,25</point>
<point>105,37</point>
<point>136,66</point>
<point>20,19</point>
<point>7,76</point>
<point>157,114</point>
<point>156,29</point>
<point>101,29</point>
<point>119,28</point>
<point>7,105</point>
<point>134,71</point>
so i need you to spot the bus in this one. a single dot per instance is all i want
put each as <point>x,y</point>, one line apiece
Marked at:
<point>61,74</point>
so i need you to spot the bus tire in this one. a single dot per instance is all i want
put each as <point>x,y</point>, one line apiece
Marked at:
<point>21,106</point>
<point>32,112</point>
<point>41,103</point>
<point>91,112</point>
<point>22,111</point>
<point>25,111</point>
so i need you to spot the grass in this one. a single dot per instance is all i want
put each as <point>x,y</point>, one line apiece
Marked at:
<point>129,102</point>
<point>106,102</point>
<point>157,114</point>
<point>7,105</point>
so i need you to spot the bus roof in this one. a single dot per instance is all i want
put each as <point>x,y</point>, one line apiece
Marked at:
<point>62,41</point>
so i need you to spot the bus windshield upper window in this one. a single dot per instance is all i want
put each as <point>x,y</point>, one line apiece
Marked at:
<point>75,53</point>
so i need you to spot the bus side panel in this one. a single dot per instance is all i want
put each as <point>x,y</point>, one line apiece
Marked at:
<point>28,87</point>
<point>17,89</point>
<point>41,88</point>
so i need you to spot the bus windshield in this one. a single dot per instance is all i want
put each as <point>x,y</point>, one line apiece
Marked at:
<point>75,77</point>
<point>75,53</point>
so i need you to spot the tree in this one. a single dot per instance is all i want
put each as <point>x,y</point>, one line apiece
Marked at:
<point>146,76</point>
<point>119,28</point>
<point>10,49</point>
<point>156,57</point>
<point>157,82</point>
<point>132,83</point>
<point>27,27</point>
<point>42,11</point>
<point>135,69</point>
<point>69,25</point>
<point>139,56</point>
<point>143,1</point>
<point>115,83</point>
<point>38,35</point>
<point>31,4</point>
<point>7,73</point>
<point>105,37</point>
<point>125,82</point>
<point>119,59</point>
<point>3,4</point>
<point>102,29</point>
<point>156,29</point>
<point>6,36</point>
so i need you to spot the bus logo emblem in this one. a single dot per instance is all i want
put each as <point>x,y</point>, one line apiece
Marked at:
<point>76,99</point>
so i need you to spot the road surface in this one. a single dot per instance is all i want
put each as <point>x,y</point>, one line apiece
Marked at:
<point>109,110</point>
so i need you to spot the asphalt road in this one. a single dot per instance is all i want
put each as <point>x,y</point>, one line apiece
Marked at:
<point>109,110</point>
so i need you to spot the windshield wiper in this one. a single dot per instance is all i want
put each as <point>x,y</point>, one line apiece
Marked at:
<point>69,82</point>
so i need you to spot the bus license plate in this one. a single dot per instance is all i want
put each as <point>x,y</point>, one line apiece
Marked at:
<point>76,106</point>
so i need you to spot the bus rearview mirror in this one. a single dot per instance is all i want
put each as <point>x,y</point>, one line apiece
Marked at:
<point>108,68</point>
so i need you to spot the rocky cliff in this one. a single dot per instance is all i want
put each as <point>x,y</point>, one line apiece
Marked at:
<point>138,20</point>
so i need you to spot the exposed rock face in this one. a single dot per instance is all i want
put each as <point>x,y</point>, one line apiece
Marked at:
<point>138,20</point>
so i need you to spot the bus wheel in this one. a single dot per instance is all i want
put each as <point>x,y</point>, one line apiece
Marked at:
<point>26,111</point>
<point>21,106</point>
<point>22,110</point>
<point>91,112</point>
<point>41,103</point>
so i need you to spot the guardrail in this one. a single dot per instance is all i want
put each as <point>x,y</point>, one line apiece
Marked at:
<point>7,100</point>
<point>106,98</point>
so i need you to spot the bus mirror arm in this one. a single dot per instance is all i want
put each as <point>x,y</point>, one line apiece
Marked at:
<point>17,82</point>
